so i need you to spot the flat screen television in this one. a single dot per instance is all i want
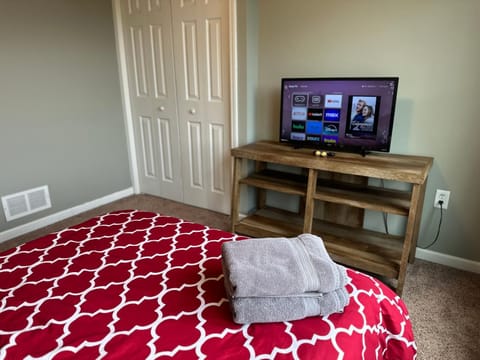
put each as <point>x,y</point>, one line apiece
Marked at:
<point>345,114</point>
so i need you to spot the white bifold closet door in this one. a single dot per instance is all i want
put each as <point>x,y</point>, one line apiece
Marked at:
<point>178,79</point>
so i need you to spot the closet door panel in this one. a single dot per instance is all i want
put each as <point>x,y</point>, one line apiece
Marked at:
<point>151,71</point>
<point>189,61</point>
<point>200,30</point>
<point>148,147</point>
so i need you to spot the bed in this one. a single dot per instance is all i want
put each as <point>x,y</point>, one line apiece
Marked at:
<point>139,285</point>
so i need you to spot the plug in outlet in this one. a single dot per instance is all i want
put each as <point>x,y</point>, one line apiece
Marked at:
<point>442,195</point>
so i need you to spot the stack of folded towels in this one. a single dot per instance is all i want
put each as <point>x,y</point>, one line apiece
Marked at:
<point>282,279</point>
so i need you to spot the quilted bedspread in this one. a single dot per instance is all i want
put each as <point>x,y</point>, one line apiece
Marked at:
<point>140,285</point>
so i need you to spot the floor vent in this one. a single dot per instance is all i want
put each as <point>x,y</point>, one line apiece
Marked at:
<point>26,202</point>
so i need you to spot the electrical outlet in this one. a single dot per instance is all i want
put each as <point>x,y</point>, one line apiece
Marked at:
<point>442,195</point>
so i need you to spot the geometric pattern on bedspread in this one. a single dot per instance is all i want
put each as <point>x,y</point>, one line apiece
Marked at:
<point>136,285</point>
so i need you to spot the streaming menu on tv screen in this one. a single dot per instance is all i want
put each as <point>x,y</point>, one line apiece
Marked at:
<point>338,111</point>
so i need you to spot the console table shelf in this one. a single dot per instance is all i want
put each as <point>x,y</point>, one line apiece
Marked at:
<point>341,184</point>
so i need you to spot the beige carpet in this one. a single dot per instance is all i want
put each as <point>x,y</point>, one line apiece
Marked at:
<point>444,303</point>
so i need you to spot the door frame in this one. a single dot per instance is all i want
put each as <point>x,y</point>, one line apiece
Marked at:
<point>125,93</point>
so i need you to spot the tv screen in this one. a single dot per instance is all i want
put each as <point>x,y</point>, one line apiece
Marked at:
<point>348,114</point>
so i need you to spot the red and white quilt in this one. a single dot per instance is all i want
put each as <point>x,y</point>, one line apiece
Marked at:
<point>139,285</point>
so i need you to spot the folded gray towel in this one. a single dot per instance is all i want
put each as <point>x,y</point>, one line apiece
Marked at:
<point>280,266</point>
<point>248,310</point>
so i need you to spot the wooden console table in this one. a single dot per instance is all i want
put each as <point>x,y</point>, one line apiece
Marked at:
<point>337,188</point>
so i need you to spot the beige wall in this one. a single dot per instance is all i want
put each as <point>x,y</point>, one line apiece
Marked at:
<point>61,121</point>
<point>433,46</point>
<point>60,93</point>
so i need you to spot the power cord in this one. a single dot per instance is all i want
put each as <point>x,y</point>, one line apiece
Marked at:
<point>385,222</point>
<point>440,202</point>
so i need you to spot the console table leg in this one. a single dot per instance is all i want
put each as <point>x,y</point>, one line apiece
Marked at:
<point>237,164</point>
<point>309,201</point>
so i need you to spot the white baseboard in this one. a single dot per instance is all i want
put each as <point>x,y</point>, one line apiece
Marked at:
<point>448,260</point>
<point>61,215</point>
